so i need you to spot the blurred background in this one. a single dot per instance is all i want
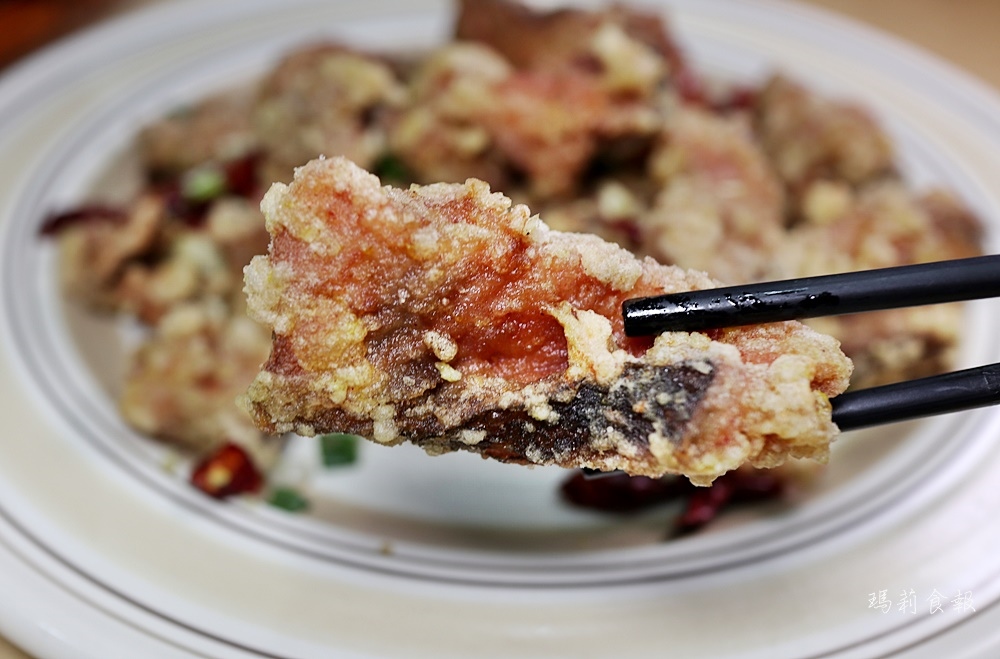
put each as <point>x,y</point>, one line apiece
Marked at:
<point>962,32</point>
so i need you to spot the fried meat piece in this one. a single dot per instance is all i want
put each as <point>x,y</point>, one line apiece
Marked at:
<point>441,135</point>
<point>192,263</point>
<point>182,382</point>
<point>533,39</point>
<point>720,207</point>
<point>547,125</point>
<point>143,260</point>
<point>96,255</point>
<point>323,100</point>
<point>448,317</point>
<point>613,210</point>
<point>545,99</point>
<point>472,115</point>
<point>218,129</point>
<point>881,226</point>
<point>809,137</point>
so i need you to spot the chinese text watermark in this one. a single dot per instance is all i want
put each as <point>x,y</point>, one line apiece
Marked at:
<point>908,601</point>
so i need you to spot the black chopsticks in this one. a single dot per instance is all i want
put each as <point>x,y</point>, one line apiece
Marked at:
<point>810,297</point>
<point>870,290</point>
<point>902,401</point>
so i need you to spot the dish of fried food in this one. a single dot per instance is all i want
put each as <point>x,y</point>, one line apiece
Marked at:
<point>447,316</point>
<point>595,119</point>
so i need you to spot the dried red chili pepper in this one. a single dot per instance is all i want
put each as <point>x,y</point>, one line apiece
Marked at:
<point>693,90</point>
<point>741,97</point>
<point>241,175</point>
<point>690,87</point>
<point>57,222</point>
<point>741,486</point>
<point>621,493</point>
<point>227,472</point>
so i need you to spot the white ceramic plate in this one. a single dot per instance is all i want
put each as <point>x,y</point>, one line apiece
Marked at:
<point>103,553</point>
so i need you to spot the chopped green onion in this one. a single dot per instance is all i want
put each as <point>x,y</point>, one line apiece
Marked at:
<point>181,112</point>
<point>203,183</point>
<point>288,499</point>
<point>391,169</point>
<point>338,449</point>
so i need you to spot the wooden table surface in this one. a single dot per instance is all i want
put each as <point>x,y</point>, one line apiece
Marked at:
<point>960,31</point>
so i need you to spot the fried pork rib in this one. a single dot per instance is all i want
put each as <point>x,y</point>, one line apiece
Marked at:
<point>446,316</point>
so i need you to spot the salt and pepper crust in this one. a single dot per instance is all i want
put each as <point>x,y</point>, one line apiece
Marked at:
<point>447,316</point>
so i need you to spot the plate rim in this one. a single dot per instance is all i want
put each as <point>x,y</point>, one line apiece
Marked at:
<point>28,67</point>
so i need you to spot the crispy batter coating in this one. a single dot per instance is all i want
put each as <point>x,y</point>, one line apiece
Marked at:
<point>808,136</point>
<point>471,114</point>
<point>449,317</point>
<point>534,39</point>
<point>441,134</point>
<point>183,380</point>
<point>217,129</point>
<point>184,283</point>
<point>323,99</point>
<point>720,207</point>
<point>96,255</point>
<point>149,262</point>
